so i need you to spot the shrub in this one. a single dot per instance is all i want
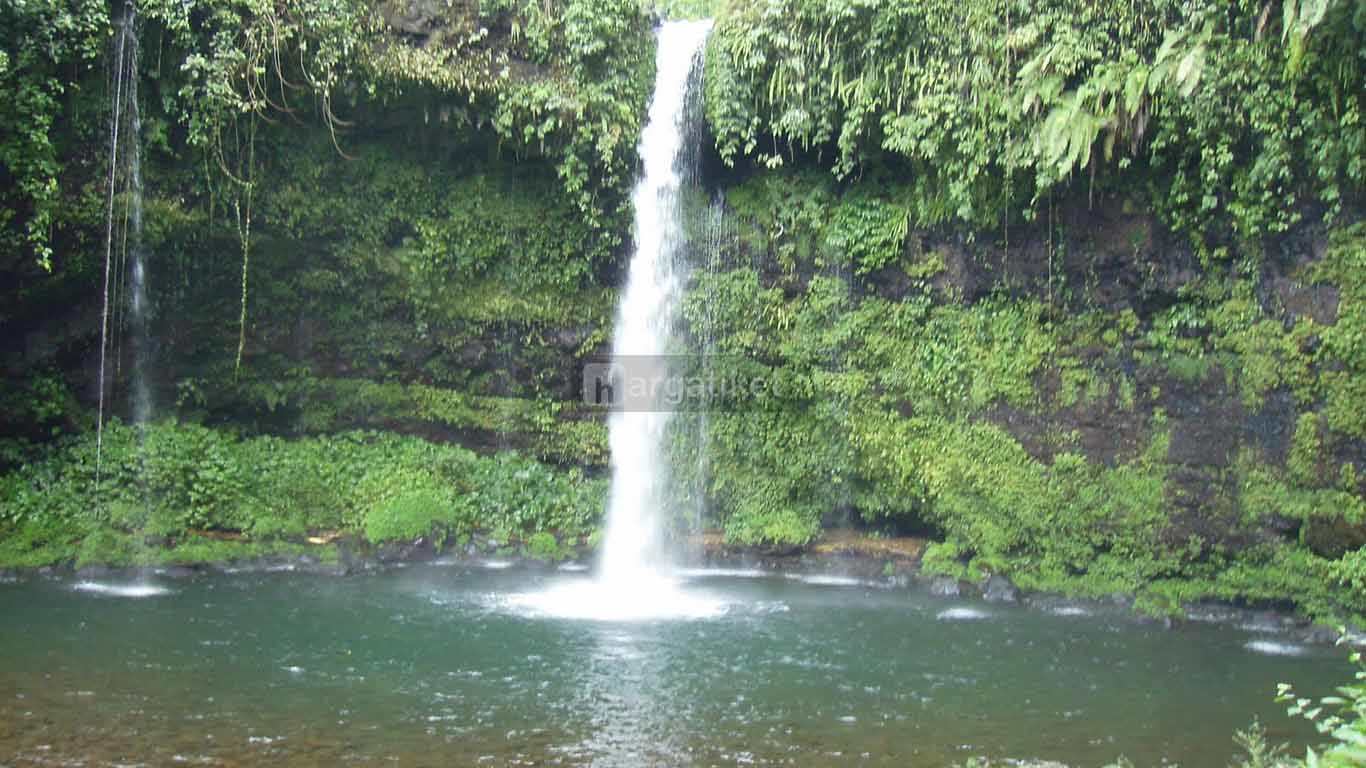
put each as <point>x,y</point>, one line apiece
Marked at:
<point>543,546</point>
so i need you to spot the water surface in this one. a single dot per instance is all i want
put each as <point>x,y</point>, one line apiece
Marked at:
<point>445,665</point>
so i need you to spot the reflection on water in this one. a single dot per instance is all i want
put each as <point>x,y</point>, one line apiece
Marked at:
<point>439,666</point>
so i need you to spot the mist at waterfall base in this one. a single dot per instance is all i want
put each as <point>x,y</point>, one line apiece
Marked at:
<point>633,581</point>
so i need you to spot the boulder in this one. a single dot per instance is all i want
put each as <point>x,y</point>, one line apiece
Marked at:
<point>998,589</point>
<point>944,586</point>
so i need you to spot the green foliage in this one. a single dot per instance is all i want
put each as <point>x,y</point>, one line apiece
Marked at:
<point>993,104</point>
<point>50,46</point>
<point>39,406</point>
<point>868,232</point>
<point>925,414</point>
<point>1344,342</point>
<point>408,514</point>
<point>944,558</point>
<point>1260,753</point>
<point>543,546</point>
<point>1341,717</point>
<point>687,9</point>
<point>1350,571</point>
<point>586,108</point>
<point>166,485</point>
<point>504,232</point>
<point>1306,451</point>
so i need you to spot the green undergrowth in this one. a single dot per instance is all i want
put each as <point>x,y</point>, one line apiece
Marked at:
<point>988,108</point>
<point>182,493</point>
<point>1031,432</point>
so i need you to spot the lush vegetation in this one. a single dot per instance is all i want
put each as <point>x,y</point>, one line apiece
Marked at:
<point>566,81</point>
<point>947,243</point>
<point>173,493</point>
<point>972,421</point>
<point>1236,120</point>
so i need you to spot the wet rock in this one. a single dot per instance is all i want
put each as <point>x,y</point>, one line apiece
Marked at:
<point>571,338</point>
<point>998,589</point>
<point>1333,537</point>
<point>1320,634</point>
<point>94,572</point>
<point>1210,613</point>
<point>1268,621</point>
<point>347,562</point>
<point>944,586</point>
<point>418,550</point>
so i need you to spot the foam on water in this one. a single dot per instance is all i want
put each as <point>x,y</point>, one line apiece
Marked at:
<point>1274,648</point>
<point>826,580</point>
<point>722,573</point>
<point>120,590</point>
<point>962,614</point>
<point>652,599</point>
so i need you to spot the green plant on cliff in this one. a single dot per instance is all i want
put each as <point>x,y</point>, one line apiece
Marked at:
<point>992,104</point>
<point>50,47</point>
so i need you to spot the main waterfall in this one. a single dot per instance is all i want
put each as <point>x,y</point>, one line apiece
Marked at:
<point>632,549</point>
<point>633,580</point>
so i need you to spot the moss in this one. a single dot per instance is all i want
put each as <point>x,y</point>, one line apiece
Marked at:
<point>1306,451</point>
<point>895,415</point>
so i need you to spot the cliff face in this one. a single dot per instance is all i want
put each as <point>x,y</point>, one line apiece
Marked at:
<point>1071,287</point>
<point>1093,407</point>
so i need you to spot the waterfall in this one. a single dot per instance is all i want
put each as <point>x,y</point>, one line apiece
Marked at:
<point>134,253</point>
<point>125,169</point>
<point>646,316</point>
<point>633,580</point>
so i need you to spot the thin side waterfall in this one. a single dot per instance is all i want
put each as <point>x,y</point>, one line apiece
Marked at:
<point>139,310</point>
<point>125,168</point>
<point>717,238</point>
<point>633,580</point>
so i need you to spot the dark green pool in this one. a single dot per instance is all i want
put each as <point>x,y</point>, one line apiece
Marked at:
<point>436,666</point>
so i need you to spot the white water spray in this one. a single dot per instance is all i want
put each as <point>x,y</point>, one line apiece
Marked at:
<point>633,580</point>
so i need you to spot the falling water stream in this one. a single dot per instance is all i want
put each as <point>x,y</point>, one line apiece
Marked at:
<point>125,255</point>
<point>633,579</point>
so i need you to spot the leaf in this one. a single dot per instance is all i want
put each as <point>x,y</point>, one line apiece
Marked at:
<point>1188,72</point>
<point>1288,19</point>
<point>1135,85</point>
